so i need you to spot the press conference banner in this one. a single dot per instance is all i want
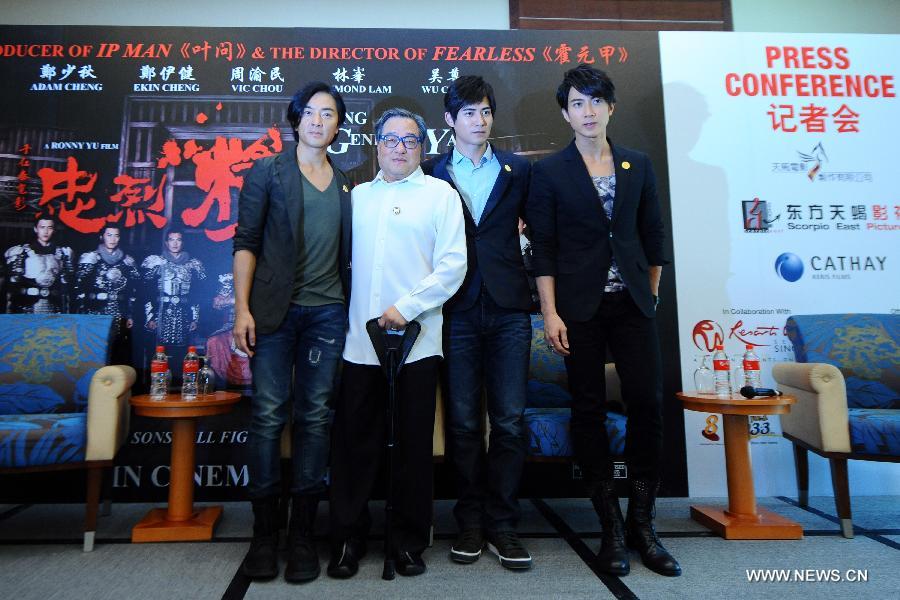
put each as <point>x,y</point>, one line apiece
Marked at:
<point>152,130</point>
<point>784,194</point>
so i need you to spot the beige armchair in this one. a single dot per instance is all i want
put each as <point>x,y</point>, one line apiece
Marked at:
<point>845,382</point>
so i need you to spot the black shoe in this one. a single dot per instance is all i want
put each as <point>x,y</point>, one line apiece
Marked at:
<point>345,558</point>
<point>410,564</point>
<point>467,547</point>
<point>302,557</point>
<point>261,561</point>
<point>509,549</point>
<point>613,555</point>
<point>641,534</point>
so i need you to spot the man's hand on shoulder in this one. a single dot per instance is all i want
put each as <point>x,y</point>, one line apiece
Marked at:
<point>244,332</point>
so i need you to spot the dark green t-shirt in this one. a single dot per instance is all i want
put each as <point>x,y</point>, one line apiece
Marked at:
<point>317,281</point>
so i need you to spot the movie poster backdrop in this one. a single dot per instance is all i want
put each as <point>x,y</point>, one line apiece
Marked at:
<point>152,129</point>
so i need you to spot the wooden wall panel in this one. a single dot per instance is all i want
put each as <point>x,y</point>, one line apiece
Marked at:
<point>646,15</point>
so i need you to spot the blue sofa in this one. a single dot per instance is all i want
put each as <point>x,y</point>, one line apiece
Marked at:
<point>548,406</point>
<point>61,405</point>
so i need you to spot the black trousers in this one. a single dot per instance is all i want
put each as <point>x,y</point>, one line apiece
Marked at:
<point>634,343</point>
<point>358,451</point>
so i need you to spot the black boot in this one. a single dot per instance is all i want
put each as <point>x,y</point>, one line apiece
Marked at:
<point>302,557</point>
<point>641,535</point>
<point>261,561</point>
<point>613,555</point>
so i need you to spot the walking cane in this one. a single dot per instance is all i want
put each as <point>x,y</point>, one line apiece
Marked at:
<point>392,349</point>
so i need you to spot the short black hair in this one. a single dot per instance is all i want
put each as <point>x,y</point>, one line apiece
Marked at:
<point>466,90</point>
<point>172,231</point>
<point>589,81</point>
<point>301,99</point>
<point>115,226</point>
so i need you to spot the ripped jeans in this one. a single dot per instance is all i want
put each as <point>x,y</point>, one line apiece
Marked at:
<point>305,350</point>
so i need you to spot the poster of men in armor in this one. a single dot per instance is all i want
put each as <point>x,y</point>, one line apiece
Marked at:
<point>172,310</point>
<point>106,284</point>
<point>37,274</point>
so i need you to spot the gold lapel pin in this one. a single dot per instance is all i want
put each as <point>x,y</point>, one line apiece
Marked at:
<point>345,188</point>
<point>508,169</point>
<point>626,165</point>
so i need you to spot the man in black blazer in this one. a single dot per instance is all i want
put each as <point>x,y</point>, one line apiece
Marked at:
<point>291,285</point>
<point>487,329</point>
<point>597,241</point>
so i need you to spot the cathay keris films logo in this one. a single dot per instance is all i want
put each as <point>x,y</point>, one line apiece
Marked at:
<point>789,266</point>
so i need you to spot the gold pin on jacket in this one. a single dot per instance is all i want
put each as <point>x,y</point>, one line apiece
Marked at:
<point>508,169</point>
<point>626,165</point>
<point>345,188</point>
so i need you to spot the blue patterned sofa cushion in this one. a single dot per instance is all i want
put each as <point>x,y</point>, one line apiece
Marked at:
<point>548,403</point>
<point>44,439</point>
<point>548,432</point>
<point>545,366</point>
<point>875,431</point>
<point>865,347</point>
<point>56,352</point>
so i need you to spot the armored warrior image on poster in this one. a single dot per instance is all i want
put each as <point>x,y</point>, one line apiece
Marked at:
<point>175,312</point>
<point>36,275</point>
<point>227,360</point>
<point>106,284</point>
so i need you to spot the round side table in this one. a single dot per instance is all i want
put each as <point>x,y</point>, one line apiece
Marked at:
<point>743,520</point>
<point>179,522</point>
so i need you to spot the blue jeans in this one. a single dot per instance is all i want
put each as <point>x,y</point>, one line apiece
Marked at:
<point>304,350</point>
<point>487,346</point>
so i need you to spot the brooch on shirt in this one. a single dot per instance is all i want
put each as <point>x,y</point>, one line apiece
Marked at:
<point>396,210</point>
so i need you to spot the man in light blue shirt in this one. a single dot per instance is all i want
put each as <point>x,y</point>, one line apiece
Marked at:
<point>487,339</point>
<point>474,181</point>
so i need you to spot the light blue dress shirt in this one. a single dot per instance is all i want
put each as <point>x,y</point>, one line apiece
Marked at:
<point>474,182</point>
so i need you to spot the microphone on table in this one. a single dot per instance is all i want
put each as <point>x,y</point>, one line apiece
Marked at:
<point>752,392</point>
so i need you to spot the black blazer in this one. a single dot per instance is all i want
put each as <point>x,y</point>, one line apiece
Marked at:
<point>270,210</point>
<point>573,240</point>
<point>492,246</point>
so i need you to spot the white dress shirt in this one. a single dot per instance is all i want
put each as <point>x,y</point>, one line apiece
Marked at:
<point>409,251</point>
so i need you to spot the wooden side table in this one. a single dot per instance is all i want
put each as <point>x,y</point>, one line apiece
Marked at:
<point>742,520</point>
<point>179,522</point>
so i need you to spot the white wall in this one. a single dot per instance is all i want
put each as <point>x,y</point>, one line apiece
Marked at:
<point>405,14</point>
<point>817,16</point>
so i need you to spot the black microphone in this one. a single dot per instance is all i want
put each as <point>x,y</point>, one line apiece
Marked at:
<point>752,392</point>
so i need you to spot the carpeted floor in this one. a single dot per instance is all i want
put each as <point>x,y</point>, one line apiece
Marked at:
<point>41,558</point>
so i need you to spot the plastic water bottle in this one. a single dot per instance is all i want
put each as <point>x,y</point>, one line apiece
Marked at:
<point>722,371</point>
<point>189,371</point>
<point>751,368</point>
<point>159,374</point>
<point>206,383</point>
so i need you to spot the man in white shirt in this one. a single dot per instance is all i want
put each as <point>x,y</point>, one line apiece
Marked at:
<point>408,257</point>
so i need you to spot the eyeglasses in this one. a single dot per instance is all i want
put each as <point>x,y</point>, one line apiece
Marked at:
<point>410,142</point>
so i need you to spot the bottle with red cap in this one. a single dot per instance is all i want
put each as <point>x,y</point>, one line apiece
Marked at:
<point>189,371</point>
<point>159,374</point>
<point>751,368</point>
<point>722,372</point>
